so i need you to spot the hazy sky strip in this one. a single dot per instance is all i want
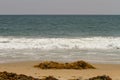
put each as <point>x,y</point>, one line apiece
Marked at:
<point>59,6</point>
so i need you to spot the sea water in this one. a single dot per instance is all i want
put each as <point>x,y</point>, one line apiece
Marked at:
<point>93,38</point>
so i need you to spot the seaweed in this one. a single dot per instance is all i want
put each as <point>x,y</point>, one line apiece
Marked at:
<point>57,65</point>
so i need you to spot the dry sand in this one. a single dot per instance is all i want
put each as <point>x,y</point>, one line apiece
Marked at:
<point>113,70</point>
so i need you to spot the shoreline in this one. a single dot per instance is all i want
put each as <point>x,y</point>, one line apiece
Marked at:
<point>26,68</point>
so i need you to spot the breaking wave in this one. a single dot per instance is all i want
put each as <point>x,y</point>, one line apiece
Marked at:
<point>60,43</point>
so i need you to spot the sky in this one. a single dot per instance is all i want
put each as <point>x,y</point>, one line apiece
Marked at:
<point>60,7</point>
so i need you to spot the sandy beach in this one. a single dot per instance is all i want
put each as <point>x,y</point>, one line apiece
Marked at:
<point>113,70</point>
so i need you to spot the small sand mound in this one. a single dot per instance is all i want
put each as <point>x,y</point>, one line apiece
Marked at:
<point>56,65</point>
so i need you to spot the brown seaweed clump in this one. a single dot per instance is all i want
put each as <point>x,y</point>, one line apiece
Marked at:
<point>56,65</point>
<point>104,77</point>
<point>13,76</point>
<point>49,78</point>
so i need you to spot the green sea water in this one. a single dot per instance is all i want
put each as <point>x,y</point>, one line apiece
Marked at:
<point>59,25</point>
<point>93,38</point>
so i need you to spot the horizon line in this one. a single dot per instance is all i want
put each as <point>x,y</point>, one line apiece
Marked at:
<point>59,14</point>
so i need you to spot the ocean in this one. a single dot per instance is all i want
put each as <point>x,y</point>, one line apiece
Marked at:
<point>93,38</point>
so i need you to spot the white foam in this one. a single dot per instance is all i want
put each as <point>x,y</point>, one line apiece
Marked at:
<point>60,43</point>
